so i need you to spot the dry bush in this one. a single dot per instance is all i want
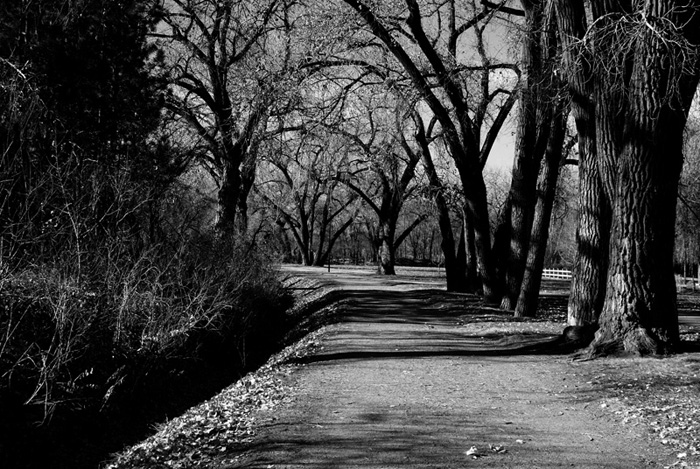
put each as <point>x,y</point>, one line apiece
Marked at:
<point>84,341</point>
<point>110,284</point>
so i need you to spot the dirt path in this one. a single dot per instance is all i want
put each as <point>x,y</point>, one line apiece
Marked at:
<point>413,381</point>
<point>406,375</point>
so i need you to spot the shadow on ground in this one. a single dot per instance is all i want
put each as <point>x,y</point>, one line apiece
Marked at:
<point>429,323</point>
<point>416,379</point>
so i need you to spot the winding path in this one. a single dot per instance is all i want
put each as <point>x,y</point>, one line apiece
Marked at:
<point>421,379</point>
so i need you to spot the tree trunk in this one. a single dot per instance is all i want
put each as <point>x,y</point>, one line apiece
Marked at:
<point>454,276</point>
<point>462,245</point>
<point>547,188</point>
<point>472,273</point>
<point>466,255</point>
<point>523,197</point>
<point>386,255</point>
<point>639,314</point>
<point>598,107</point>
<point>533,128</point>
<point>501,240</point>
<point>475,195</point>
<point>229,192</point>
<point>589,272</point>
<point>247,180</point>
<point>305,245</point>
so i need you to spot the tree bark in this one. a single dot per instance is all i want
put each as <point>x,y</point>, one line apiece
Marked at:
<point>472,274</point>
<point>639,314</point>
<point>589,272</point>
<point>228,197</point>
<point>387,256</point>
<point>547,187</point>
<point>454,276</point>
<point>466,255</point>
<point>533,129</point>
<point>475,194</point>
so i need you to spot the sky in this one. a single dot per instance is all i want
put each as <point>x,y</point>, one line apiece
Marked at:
<point>504,148</point>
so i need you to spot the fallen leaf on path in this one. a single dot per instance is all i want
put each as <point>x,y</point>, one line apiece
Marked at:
<point>473,452</point>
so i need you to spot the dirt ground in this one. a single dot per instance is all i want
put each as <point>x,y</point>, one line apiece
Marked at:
<point>399,373</point>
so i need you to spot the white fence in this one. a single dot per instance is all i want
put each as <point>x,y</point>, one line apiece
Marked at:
<point>556,274</point>
<point>688,283</point>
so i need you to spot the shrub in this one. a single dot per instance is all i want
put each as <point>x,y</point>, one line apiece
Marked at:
<point>104,336</point>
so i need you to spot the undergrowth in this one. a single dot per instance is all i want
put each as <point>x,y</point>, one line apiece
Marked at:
<point>75,341</point>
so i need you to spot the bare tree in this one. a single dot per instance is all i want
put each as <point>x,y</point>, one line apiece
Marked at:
<point>644,63</point>
<point>536,106</point>
<point>423,42</point>
<point>383,176</point>
<point>546,191</point>
<point>298,183</point>
<point>589,273</point>
<point>230,65</point>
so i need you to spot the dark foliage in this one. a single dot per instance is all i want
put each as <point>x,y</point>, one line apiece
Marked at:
<point>117,307</point>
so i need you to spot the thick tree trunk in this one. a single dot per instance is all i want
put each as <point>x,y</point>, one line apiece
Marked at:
<point>639,314</point>
<point>305,244</point>
<point>462,245</point>
<point>318,257</point>
<point>589,273</point>
<point>547,187</point>
<point>501,240</point>
<point>247,181</point>
<point>454,276</point>
<point>523,199</point>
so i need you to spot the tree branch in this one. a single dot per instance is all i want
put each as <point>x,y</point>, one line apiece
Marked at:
<point>400,239</point>
<point>502,8</point>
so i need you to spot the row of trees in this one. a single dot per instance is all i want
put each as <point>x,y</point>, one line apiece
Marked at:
<point>390,93</point>
<point>317,112</point>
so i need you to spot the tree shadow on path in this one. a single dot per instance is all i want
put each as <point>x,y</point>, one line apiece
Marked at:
<point>419,379</point>
<point>377,324</point>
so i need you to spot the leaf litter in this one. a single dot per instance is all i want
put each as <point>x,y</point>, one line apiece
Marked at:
<point>212,434</point>
<point>659,395</point>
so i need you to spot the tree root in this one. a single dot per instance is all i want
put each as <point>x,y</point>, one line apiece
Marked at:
<point>636,342</point>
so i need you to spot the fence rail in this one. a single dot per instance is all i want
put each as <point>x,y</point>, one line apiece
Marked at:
<point>556,274</point>
<point>687,283</point>
<point>681,282</point>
